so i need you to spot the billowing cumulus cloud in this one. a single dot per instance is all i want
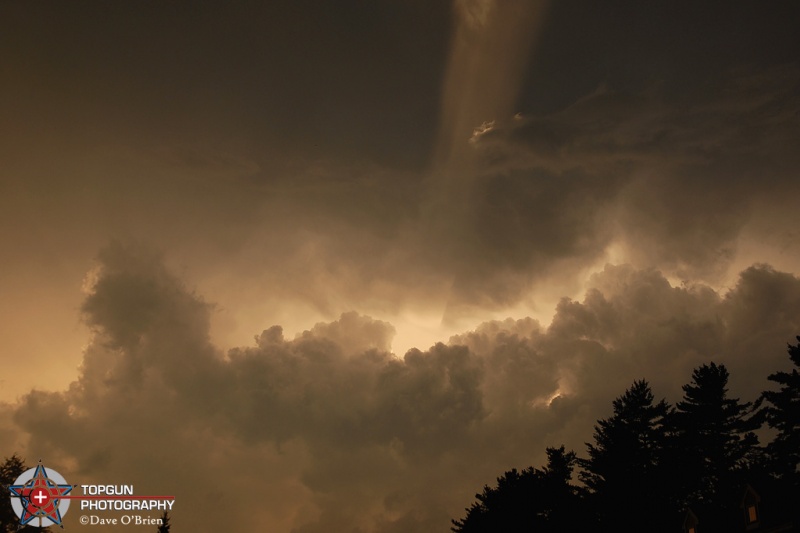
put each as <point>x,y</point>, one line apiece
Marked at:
<point>340,187</point>
<point>331,431</point>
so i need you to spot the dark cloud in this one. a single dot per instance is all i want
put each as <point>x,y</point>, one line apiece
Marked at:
<point>674,184</point>
<point>343,434</point>
<point>322,154</point>
<point>686,46</point>
<point>390,171</point>
<point>283,74</point>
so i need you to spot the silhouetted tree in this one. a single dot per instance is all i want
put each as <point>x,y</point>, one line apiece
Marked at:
<point>650,462</point>
<point>165,525</point>
<point>783,414</point>
<point>624,470</point>
<point>712,439</point>
<point>531,500</point>
<point>10,470</point>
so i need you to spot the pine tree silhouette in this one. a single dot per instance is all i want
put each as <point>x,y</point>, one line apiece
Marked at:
<point>531,500</point>
<point>713,440</point>
<point>624,469</point>
<point>165,525</point>
<point>783,414</point>
<point>10,470</point>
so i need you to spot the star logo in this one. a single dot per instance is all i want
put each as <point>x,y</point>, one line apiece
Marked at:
<point>38,494</point>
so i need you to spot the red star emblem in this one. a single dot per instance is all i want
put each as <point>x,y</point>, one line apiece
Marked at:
<point>40,497</point>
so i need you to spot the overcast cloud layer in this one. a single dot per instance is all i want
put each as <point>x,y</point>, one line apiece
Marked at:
<point>366,180</point>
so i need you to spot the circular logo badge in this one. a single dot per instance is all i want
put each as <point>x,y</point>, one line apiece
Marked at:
<point>38,497</point>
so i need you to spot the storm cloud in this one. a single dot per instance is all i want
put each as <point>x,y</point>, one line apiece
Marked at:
<point>331,430</point>
<point>366,256</point>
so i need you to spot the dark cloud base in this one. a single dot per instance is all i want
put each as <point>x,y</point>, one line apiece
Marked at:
<point>330,431</point>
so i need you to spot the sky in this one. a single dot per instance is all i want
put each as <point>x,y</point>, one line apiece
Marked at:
<point>333,266</point>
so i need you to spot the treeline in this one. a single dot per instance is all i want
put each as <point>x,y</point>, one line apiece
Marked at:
<point>658,467</point>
